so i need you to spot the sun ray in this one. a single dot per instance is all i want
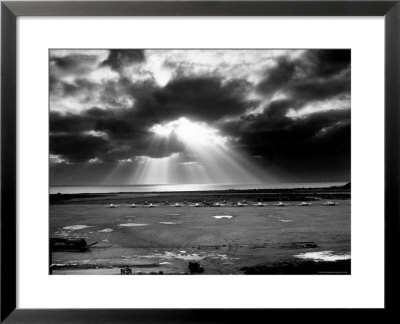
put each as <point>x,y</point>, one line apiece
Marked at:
<point>215,159</point>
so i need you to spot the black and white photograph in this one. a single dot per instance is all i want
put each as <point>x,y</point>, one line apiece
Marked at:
<point>200,161</point>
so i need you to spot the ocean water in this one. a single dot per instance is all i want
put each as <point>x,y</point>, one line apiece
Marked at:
<point>186,187</point>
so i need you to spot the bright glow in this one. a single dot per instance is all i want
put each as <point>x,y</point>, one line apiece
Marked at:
<point>161,130</point>
<point>57,159</point>
<point>95,133</point>
<point>320,106</point>
<point>192,133</point>
<point>95,160</point>
<point>154,170</point>
<point>326,130</point>
<point>125,161</point>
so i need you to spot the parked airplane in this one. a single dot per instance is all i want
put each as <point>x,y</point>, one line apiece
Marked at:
<point>304,203</point>
<point>240,204</point>
<point>281,204</point>
<point>330,203</point>
<point>151,205</point>
<point>260,204</point>
<point>206,203</point>
<point>220,204</point>
<point>177,205</point>
<point>196,205</point>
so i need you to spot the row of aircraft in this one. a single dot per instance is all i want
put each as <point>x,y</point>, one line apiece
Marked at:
<point>219,204</point>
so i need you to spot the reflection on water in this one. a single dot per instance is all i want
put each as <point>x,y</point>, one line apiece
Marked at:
<point>223,216</point>
<point>132,225</point>
<point>324,256</point>
<point>187,187</point>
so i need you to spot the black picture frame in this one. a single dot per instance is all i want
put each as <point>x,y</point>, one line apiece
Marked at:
<point>10,11</point>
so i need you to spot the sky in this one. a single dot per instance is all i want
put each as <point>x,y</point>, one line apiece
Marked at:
<point>133,116</point>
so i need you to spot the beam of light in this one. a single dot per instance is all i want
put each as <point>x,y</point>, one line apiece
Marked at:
<point>118,173</point>
<point>216,161</point>
<point>194,173</point>
<point>154,170</point>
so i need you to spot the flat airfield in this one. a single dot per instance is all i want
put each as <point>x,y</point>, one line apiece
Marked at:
<point>225,240</point>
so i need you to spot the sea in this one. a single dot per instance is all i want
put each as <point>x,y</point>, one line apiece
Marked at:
<point>185,187</point>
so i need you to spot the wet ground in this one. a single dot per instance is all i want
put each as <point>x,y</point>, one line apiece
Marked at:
<point>223,239</point>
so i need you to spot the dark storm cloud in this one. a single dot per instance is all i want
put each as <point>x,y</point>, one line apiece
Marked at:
<point>76,65</point>
<point>329,62</point>
<point>316,143</point>
<point>73,64</point>
<point>313,90</point>
<point>79,87</point>
<point>77,147</point>
<point>78,122</point>
<point>82,147</point>
<point>204,99</point>
<point>279,134</point>
<point>119,58</point>
<point>277,76</point>
<point>316,75</point>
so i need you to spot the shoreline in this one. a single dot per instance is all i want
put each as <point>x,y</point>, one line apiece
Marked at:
<point>253,195</point>
<point>304,186</point>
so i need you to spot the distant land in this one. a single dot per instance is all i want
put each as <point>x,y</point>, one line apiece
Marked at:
<point>294,194</point>
<point>347,186</point>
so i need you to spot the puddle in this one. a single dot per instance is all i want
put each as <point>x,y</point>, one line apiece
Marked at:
<point>223,216</point>
<point>285,220</point>
<point>223,257</point>
<point>61,233</point>
<point>132,224</point>
<point>324,256</point>
<point>75,227</point>
<point>65,264</point>
<point>173,255</point>
<point>106,230</point>
<point>168,223</point>
<point>182,256</point>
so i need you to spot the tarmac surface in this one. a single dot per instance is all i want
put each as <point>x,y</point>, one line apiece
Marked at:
<point>225,240</point>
